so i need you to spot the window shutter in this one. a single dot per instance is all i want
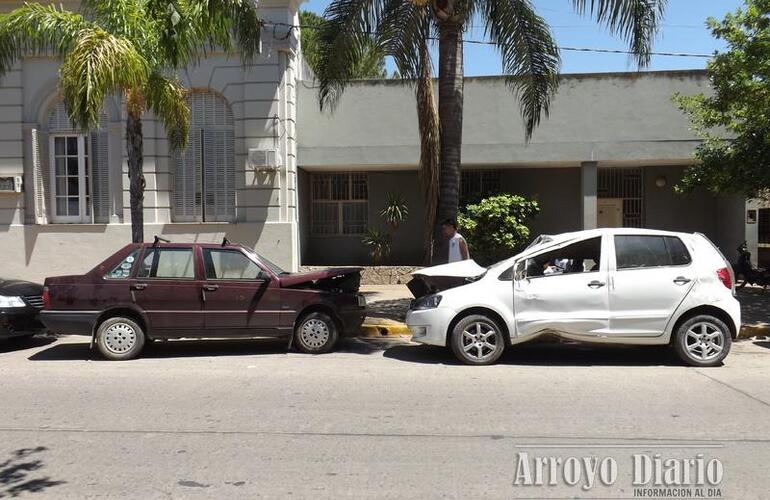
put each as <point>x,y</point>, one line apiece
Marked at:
<point>100,176</point>
<point>219,174</point>
<point>187,188</point>
<point>38,179</point>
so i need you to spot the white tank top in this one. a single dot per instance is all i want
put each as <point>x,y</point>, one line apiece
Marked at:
<point>454,248</point>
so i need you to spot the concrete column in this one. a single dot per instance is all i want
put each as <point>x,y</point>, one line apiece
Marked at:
<point>588,172</point>
<point>752,231</point>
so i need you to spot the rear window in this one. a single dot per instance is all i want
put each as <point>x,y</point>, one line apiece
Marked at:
<point>637,251</point>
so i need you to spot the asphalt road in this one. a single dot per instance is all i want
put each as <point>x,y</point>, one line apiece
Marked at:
<point>378,419</point>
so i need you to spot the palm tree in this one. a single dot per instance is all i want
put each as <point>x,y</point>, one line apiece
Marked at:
<point>133,48</point>
<point>530,57</point>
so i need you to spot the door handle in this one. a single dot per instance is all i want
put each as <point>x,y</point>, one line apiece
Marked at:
<point>211,288</point>
<point>596,284</point>
<point>681,280</point>
<point>138,286</point>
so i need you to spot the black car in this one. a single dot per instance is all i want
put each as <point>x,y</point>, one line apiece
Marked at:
<point>20,303</point>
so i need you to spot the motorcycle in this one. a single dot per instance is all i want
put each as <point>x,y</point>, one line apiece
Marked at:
<point>745,273</point>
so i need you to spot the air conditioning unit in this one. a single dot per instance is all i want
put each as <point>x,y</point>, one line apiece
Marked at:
<point>264,160</point>
<point>11,184</point>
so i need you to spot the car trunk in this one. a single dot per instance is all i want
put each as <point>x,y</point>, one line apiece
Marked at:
<point>438,278</point>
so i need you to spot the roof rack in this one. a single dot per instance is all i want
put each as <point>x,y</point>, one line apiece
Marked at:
<point>225,241</point>
<point>158,239</point>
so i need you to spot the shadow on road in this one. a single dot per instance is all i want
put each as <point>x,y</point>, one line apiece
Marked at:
<point>390,309</point>
<point>19,344</point>
<point>762,343</point>
<point>549,354</point>
<point>16,473</point>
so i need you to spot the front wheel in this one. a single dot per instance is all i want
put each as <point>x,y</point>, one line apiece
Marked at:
<point>120,338</point>
<point>703,341</point>
<point>315,333</point>
<point>477,340</point>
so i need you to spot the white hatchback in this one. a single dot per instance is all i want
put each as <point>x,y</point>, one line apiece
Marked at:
<point>621,286</point>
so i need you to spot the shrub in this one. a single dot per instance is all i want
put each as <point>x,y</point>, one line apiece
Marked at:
<point>496,227</point>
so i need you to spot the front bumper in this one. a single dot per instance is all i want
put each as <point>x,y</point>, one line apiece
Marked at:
<point>70,322</point>
<point>19,322</point>
<point>430,326</point>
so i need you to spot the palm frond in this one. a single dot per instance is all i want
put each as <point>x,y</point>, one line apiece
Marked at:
<point>636,21</point>
<point>127,19</point>
<point>529,54</point>
<point>98,64</point>
<point>230,25</point>
<point>35,29</point>
<point>403,32</point>
<point>167,99</point>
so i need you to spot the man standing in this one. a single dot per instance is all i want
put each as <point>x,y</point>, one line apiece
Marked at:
<point>458,248</point>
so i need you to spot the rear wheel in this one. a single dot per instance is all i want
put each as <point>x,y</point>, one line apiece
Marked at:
<point>477,340</point>
<point>120,338</point>
<point>315,333</point>
<point>703,341</point>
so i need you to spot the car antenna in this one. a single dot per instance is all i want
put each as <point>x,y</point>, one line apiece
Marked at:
<point>225,241</point>
<point>158,239</point>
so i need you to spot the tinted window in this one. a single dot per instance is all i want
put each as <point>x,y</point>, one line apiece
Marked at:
<point>229,265</point>
<point>506,275</point>
<point>581,257</point>
<point>650,251</point>
<point>123,269</point>
<point>168,263</point>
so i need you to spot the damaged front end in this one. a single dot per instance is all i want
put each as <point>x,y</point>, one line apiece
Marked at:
<point>340,280</point>
<point>431,280</point>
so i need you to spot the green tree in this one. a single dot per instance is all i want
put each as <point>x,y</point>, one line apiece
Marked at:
<point>496,227</point>
<point>734,119</point>
<point>530,57</point>
<point>133,48</point>
<point>370,65</point>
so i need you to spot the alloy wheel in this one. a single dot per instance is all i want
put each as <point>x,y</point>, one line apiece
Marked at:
<point>704,341</point>
<point>119,338</point>
<point>479,340</point>
<point>315,333</point>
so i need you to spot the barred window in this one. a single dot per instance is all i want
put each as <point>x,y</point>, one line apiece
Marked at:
<point>476,185</point>
<point>339,203</point>
<point>764,226</point>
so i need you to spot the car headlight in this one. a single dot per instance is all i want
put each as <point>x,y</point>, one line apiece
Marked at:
<point>6,301</point>
<point>427,302</point>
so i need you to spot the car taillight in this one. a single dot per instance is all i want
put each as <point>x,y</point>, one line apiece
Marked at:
<point>724,276</point>
<point>46,298</point>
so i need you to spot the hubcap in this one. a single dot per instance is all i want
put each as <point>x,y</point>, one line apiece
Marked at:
<point>479,340</point>
<point>119,338</point>
<point>314,333</point>
<point>704,341</point>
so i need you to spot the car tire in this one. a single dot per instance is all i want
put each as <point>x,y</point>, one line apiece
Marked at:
<point>477,340</point>
<point>316,333</point>
<point>120,338</point>
<point>703,340</point>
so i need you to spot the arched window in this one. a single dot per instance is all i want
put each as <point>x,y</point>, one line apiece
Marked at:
<point>79,170</point>
<point>204,174</point>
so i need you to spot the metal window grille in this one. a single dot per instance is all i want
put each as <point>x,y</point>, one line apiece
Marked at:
<point>339,203</point>
<point>626,184</point>
<point>764,225</point>
<point>478,184</point>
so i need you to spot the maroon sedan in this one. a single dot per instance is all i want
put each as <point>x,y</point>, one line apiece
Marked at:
<point>149,291</point>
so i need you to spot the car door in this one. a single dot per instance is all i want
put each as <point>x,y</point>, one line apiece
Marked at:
<point>167,289</point>
<point>563,289</point>
<point>650,276</point>
<point>240,298</point>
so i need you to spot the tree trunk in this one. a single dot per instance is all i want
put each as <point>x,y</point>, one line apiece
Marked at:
<point>450,109</point>
<point>134,144</point>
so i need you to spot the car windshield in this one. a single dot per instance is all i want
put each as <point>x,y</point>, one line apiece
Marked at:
<point>275,268</point>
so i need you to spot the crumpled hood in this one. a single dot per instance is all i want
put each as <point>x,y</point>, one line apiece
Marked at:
<point>437,278</point>
<point>19,288</point>
<point>345,278</point>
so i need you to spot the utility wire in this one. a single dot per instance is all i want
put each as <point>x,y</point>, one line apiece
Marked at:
<point>487,42</point>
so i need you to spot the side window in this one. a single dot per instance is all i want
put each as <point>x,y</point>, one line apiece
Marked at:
<point>168,263</point>
<point>229,265</point>
<point>581,257</point>
<point>123,269</point>
<point>506,275</point>
<point>636,251</point>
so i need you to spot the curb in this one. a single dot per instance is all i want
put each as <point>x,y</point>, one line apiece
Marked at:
<point>370,330</point>
<point>749,331</point>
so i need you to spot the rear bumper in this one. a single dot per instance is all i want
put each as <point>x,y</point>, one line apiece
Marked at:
<point>19,323</point>
<point>70,322</point>
<point>352,319</point>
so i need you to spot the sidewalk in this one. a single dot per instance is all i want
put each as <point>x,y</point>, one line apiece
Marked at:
<point>387,306</point>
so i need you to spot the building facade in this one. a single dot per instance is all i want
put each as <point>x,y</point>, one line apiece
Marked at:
<point>73,208</point>
<point>610,154</point>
